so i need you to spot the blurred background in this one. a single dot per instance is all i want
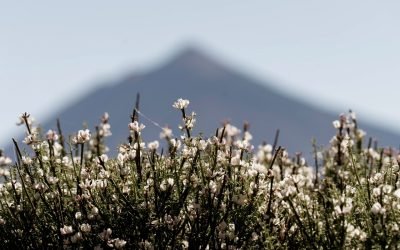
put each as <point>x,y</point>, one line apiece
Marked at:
<point>332,55</point>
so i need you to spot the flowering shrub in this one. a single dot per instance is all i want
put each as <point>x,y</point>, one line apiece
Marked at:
<point>198,193</point>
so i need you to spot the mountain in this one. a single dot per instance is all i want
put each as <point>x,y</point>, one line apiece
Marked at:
<point>216,93</point>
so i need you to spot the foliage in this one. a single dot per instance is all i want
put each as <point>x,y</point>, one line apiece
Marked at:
<point>198,193</point>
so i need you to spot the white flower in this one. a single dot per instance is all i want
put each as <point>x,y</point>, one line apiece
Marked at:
<point>66,230</point>
<point>181,103</point>
<point>244,145</point>
<point>95,210</point>
<point>163,185</point>
<point>252,172</point>
<point>185,244</point>
<point>30,139</point>
<point>105,235</point>
<point>387,189</point>
<point>105,117</point>
<point>288,191</point>
<point>65,160</point>
<point>259,168</point>
<point>397,193</point>
<point>212,186</point>
<point>4,172</point>
<point>166,133</point>
<point>175,143</point>
<point>76,237</point>
<point>82,136</point>
<point>101,184</point>
<point>78,215</point>
<point>376,192</point>
<point>336,124</point>
<point>190,121</point>
<point>247,136</point>
<point>166,183</point>
<point>86,228</point>
<point>102,158</point>
<point>267,148</point>
<point>26,160</point>
<point>254,236</point>
<point>136,127</point>
<point>51,135</point>
<point>105,129</point>
<point>118,244</point>
<point>5,161</point>
<point>52,179</point>
<point>235,160</point>
<point>377,178</point>
<point>360,133</point>
<point>377,208</point>
<point>170,181</point>
<point>201,144</point>
<point>347,142</point>
<point>153,145</point>
<point>353,115</point>
<point>345,209</point>
<point>302,161</point>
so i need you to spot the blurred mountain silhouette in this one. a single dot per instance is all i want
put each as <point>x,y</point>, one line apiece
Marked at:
<point>217,94</point>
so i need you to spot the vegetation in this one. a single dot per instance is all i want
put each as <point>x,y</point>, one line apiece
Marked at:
<point>197,193</point>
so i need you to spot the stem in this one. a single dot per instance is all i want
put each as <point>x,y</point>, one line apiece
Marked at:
<point>137,158</point>
<point>184,120</point>
<point>269,213</point>
<point>82,148</point>
<point>276,140</point>
<point>303,229</point>
<point>61,136</point>
<point>316,162</point>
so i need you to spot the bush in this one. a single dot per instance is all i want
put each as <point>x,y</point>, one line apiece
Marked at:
<point>215,193</point>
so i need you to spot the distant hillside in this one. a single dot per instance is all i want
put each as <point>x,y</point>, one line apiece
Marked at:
<point>216,93</point>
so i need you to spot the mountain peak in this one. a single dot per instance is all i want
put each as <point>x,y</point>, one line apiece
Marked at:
<point>193,58</point>
<point>191,53</point>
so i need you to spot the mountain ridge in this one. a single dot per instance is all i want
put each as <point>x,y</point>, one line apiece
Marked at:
<point>217,93</point>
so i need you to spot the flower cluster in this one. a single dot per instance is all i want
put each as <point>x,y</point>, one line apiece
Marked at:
<point>82,137</point>
<point>181,104</point>
<point>219,192</point>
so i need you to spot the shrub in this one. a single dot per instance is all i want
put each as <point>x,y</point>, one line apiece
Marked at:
<point>198,193</point>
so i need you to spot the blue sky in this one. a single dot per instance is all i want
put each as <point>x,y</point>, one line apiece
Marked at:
<point>335,54</point>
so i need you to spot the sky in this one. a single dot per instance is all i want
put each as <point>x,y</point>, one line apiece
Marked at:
<point>335,54</point>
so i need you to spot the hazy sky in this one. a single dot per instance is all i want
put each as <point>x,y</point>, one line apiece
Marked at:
<point>337,54</point>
